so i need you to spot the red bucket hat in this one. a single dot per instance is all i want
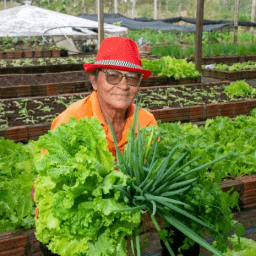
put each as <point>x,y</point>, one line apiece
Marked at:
<point>118,53</point>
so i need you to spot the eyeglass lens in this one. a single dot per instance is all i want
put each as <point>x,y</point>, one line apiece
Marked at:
<point>115,77</point>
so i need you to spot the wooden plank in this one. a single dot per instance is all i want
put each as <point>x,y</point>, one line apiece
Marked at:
<point>199,33</point>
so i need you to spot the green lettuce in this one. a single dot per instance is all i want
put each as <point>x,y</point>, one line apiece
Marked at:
<point>16,181</point>
<point>75,193</point>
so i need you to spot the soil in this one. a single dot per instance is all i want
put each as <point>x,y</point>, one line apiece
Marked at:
<point>35,110</point>
<point>159,98</point>
<point>42,78</point>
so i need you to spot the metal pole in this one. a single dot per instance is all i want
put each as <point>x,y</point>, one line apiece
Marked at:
<point>199,34</point>
<point>5,7</point>
<point>100,22</point>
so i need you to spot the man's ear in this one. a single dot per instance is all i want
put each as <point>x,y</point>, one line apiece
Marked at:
<point>93,82</point>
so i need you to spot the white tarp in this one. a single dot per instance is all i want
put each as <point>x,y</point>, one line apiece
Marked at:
<point>27,20</point>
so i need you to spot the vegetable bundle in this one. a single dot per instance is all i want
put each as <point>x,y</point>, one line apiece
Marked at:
<point>158,183</point>
<point>75,193</point>
<point>85,205</point>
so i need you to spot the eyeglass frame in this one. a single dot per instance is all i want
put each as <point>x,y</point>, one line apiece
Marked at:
<point>123,75</point>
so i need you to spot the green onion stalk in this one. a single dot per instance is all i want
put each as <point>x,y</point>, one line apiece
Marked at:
<point>155,185</point>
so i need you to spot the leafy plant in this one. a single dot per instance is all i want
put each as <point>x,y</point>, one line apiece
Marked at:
<point>16,179</point>
<point>171,67</point>
<point>159,185</point>
<point>78,174</point>
<point>239,88</point>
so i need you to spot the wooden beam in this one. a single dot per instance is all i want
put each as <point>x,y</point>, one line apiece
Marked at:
<point>133,8</point>
<point>155,9</point>
<point>199,34</point>
<point>116,6</point>
<point>236,18</point>
<point>252,18</point>
<point>100,22</point>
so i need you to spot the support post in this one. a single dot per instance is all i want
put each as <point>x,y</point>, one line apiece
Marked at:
<point>199,35</point>
<point>155,9</point>
<point>252,18</point>
<point>100,22</point>
<point>236,18</point>
<point>116,6</point>
<point>133,8</point>
<point>5,7</point>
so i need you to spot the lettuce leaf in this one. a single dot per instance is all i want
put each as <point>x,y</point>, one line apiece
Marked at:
<point>16,181</point>
<point>75,194</point>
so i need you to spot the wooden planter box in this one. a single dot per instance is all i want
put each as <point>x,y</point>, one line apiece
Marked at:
<point>163,80</point>
<point>44,89</point>
<point>229,75</point>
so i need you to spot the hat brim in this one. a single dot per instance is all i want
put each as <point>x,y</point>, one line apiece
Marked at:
<point>88,67</point>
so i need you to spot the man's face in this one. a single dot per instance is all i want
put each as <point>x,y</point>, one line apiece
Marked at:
<point>119,96</point>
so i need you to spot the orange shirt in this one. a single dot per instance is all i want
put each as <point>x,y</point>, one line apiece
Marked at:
<point>90,106</point>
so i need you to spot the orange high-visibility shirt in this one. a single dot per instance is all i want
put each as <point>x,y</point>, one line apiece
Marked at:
<point>90,106</point>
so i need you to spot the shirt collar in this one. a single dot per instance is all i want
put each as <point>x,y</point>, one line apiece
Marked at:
<point>98,114</point>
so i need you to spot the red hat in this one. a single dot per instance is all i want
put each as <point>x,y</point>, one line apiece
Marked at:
<point>118,53</point>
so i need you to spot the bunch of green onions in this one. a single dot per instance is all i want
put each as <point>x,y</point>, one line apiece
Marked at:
<point>154,183</point>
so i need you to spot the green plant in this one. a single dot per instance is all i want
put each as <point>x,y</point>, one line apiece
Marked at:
<point>171,67</point>
<point>16,180</point>
<point>159,183</point>
<point>79,174</point>
<point>239,88</point>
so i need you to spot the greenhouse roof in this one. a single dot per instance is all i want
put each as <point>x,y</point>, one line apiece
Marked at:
<point>27,20</point>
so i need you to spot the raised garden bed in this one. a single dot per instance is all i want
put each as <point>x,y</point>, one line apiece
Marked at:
<point>20,116</point>
<point>162,80</point>
<point>41,69</point>
<point>28,85</point>
<point>42,65</point>
<point>18,54</point>
<point>229,75</point>
<point>225,59</point>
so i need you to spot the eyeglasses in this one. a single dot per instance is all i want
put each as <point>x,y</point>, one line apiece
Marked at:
<point>114,77</point>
